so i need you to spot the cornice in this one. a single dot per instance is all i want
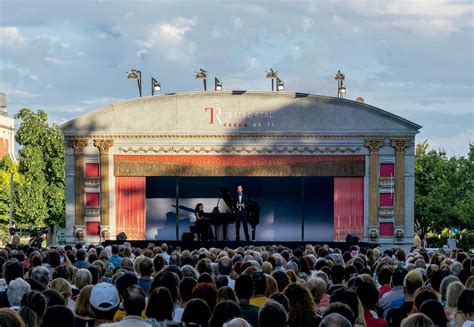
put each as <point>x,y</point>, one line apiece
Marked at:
<point>239,149</point>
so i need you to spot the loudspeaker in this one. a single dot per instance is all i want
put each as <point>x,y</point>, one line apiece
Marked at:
<point>121,236</point>
<point>352,239</point>
<point>187,237</point>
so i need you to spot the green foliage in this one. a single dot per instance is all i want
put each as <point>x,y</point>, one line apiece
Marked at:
<point>443,190</point>
<point>40,192</point>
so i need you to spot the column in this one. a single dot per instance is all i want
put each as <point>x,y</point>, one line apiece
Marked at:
<point>373,144</point>
<point>79,223</point>
<point>400,144</point>
<point>104,146</point>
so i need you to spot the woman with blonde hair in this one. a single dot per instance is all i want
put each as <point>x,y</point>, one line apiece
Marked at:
<point>62,287</point>
<point>302,309</point>
<point>84,316</point>
<point>417,320</point>
<point>452,295</point>
<point>317,288</point>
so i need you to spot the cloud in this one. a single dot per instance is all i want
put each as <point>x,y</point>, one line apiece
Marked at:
<point>11,37</point>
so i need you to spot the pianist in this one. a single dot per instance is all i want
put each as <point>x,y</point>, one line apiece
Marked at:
<point>203,224</point>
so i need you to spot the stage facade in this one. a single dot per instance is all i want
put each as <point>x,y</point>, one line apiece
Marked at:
<point>319,167</point>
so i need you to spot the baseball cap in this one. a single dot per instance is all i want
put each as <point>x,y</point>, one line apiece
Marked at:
<point>104,293</point>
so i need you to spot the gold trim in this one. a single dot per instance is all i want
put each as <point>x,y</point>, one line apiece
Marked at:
<point>373,144</point>
<point>104,145</point>
<point>231,136</point>
<point>241,149</point>
<point>400,144</point>
<point>78,146</point>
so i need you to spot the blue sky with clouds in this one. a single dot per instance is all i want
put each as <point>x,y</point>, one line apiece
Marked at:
<point>412,58</point>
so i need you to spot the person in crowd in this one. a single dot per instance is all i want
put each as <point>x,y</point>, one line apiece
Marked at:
<point>465,315</point>
<point>146,270</point>
<point>62,287</point>
<point>58,316</point>
<point>10,318</point>
<point>452,296</point>
<point>160,309</point>
<point>434,310</point>
<point>32,309</point>
<point>225,269</point>
<point>260,288</point>
<point>335,320</point>
<point>226,293</point>
<point>417,320</point>
<point>237,322</point>
<point>134,305</point>
<point>84,316</point>
<point>185,295</point>
<point>244,289</point>
<point>115,259</point>
<point>12,269</point>
<point>302,309</point>
<point>104,302</point>
<point>16,289</point>
<point>369,297</point>
<point>272,314</point>
<point>196,312</point>
<point>383,277</point>
<point>224,312</point>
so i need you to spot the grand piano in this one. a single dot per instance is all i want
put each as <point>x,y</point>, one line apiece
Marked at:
<point>221,220</point>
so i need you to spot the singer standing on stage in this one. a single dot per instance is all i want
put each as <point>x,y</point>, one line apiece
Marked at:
<point>241,213</point>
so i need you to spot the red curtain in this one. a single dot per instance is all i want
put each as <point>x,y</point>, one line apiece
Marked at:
<point>348,207</point>
<point>130,200</point>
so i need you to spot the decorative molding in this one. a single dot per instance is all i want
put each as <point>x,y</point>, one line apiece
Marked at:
<point>269,135</point>
<point>239,149</point>
<point>386,211</point>
<point>386,182</point>
<point>92,211</point>
<point>374,144</point>
<point>78,145</point>
<point>104,145</point>
<point>92,182</point>
<point>400,144</point>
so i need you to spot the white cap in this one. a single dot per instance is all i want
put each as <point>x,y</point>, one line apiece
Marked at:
<point>104,293</point>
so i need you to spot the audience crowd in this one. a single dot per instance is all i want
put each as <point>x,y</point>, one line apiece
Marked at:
<point>266,286</point>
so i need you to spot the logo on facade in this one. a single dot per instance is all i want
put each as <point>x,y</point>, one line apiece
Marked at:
<point>258,119</point>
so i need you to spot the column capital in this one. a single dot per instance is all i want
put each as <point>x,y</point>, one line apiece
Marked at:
<point>374,144</point>
<point>78,145</point>
<point>400,144</point>
<point>104,145</point>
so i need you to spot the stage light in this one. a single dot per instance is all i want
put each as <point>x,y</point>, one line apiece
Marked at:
<point>155,86</point>
<point>135,74</point>
<point>271,74</point>
<point>280,85</point>
<point>341,89</point>
<point>202,74</point>
<point>217,84</point>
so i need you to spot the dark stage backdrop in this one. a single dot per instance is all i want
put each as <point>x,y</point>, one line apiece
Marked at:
<point>283,200</point>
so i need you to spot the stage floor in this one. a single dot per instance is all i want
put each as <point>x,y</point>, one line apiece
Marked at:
<point>192,245</point>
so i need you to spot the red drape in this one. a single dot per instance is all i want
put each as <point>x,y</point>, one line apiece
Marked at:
<point>348,207</point>
<point>130,197</point>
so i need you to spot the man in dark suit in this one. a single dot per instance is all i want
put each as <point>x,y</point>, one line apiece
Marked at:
<point>241,214</point>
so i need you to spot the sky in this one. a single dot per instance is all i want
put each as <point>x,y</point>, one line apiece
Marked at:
<point>411,58</point>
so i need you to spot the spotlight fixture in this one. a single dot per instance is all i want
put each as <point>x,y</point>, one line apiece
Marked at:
<point>202,74</point>
<point>155,86</point>
<point>217,84</point>
<point>135,74</point>
<point>280,85</point>
<point>271,74</point>
<point>341,89</point>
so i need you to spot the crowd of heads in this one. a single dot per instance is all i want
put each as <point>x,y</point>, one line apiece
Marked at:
<point>272,286</point>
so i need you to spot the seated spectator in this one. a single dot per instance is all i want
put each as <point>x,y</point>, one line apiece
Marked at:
<point>244,289</point>
<point>12,270</point>
<point>196,312</point>
<point>134,305</point>
<point>16,289</point>
<point>423,294</point>
<point>84,316</point>
<point>272,314</point>
<point>396,296</point>
<point>337,278</point>
<point>225,269</point>
<point>434,310</point>
<point>10,318</point>
<point>260,288</point>
<point>83,278</point>
<point>412,282</point>
<point>224,312</point>
<point>317,287</point>
<point>207,292</point>
<point>384,276</point>
<point>159,309</point>
<point>104,302</point>
<point>465,315</point>
<point>53,298</point>
<point>62,287</point>
<point>32,309</point>
<point>335,320</point>
<point>58,316</point>
<point>369,297</point>
<point>349,297</point>
<point>40,274</point>
<point>146,270</point>
<point>302,310</point>
<point>237,322</point>
<point>417,320</point>
<point>185,294</point>
<point>81,262</point>
<point>226,293</point>
<point>452,296</point>
<point>342,309</point>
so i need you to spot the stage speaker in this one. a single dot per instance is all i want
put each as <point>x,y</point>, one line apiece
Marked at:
<point>352,239</point>
<point>187,237</point>
<point>121,236</point>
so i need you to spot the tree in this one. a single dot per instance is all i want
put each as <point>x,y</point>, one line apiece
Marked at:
<point>40,193</point>
<point>443,190</point>
<point>7,168</point>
